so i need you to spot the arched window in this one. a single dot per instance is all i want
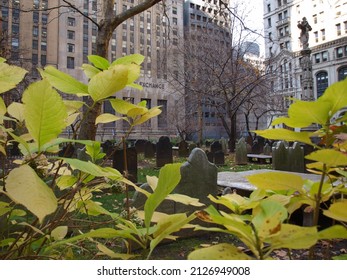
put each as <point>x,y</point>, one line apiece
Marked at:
<point>342,73</point>
<point>322,82</point>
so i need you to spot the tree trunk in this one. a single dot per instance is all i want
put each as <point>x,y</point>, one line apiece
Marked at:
<point>232,135</point>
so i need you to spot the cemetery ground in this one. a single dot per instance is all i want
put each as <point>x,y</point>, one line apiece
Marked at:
<point>179,249</point>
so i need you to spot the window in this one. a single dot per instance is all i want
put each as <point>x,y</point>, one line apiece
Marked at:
<point>317,57</point>
<point>315,19</point>
<point>35,31</point>
<point>44,19</point>
<point>15,43</point>
<point>339,52</point>
<point>342,73</point>
<point>43,46</point>
<point>15,28</point>
<point>71,48</point>
<point>43,60</point>
<point>338,29</point>
<point>36,17</point>
<point>323,34</point>
<point>269,22</point>
<point>71,21</point>
<point>322,82</point>
<point>35,59</point>
<point>268,8</point>
<point>70,62</point>
<point>35,44</point>
<point>316,36</point>
<point>162,118</point>
<point>174,10</point>
<point>44,32</point>
<point>174,21</point>
<point>325,56</point>
<point>71,35</point>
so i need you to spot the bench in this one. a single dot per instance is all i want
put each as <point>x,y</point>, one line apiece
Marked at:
<point>259,158</point>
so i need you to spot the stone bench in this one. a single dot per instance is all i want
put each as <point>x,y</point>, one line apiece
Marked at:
<point>259,158</point>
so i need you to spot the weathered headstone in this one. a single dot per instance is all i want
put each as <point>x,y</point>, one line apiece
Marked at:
<point>198,179</point>
<point>163,151</point>
<point>224,143</point>
<point>207,143</point>
<point>210,156</point>
<point>296,159</point>
<point>149,150</point>
<point>267,149</point>
<point>131,164</point>
<point>219,158</point>
<point>280,157</point>
<point>257,147</point>
<point>241,152</point>
<point>183,149</point>
<point>140,145</point>
<point>215,147</point>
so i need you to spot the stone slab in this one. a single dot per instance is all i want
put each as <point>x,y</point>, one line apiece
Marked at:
<point>238,181</point>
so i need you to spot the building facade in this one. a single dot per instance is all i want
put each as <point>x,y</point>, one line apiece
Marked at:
<point>327,45</point>
<point>37,35</point>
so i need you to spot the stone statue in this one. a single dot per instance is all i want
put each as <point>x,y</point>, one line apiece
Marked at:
<point>304,34</point>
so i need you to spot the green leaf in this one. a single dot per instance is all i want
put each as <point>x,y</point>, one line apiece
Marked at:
<point>93,169</point>
<point>268,218</point>
<point>26,188</point>
<point>336,95</point>
<point>108,82</point>
<point>285,134</point>
<point>222,251</point>
<point>290,122</point>
<point>276,181</point>
<point>10,76</point>
<point>306,113</point>
<point>3,108</point>
<point>90,71</point>
<point>148,115</point>
<point>113,255</point>
<point>169,177</point>
<point>337,211</point>
<point>59,232</point>
<point>294,237</point>
<point>107,118</point>
<point>63,81</point>
<point>329,157</point>
<point>16,110</point>
<point>44,112</point>
<point>66,181</point>
<point>99,62</point>
<point>168,225</point>
<point>129,59</point>
<point>185,199</point>
<point>333,232</point>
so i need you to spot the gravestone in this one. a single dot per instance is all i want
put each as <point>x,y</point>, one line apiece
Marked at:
<point>183,149</point>
<point>257,147</point>
<point>219,158</point>
<point>198,179</point>
<point>119,164</point>
<point>140,145</point>
<point>296,158</point>
<point>215,147</point>
<point>241,152</point>
<point>280,157</point>
<point>163,151</point>
<point>149,150</point>
<point>224,143</point>
<point>210,156</point>
<point>267,149</point>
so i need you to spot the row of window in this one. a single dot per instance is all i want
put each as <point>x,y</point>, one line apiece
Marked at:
<point>279,4</point>
<point>322,79</point>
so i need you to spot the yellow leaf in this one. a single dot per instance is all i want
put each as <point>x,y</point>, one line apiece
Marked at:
<point>16,110</point>
<point>185,199</point>
<point>107,118</point>
<point>3,109</point>
<point>26,188</point>
<point>152,181</point>
<point>276,181</point>
<point>285,134</point>
<point>337,211</point>
<point>59,232</point>
<point>329,157</point>
<point>223,251</point>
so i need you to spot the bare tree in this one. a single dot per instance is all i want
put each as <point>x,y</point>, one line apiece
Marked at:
<point>219,75</point>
